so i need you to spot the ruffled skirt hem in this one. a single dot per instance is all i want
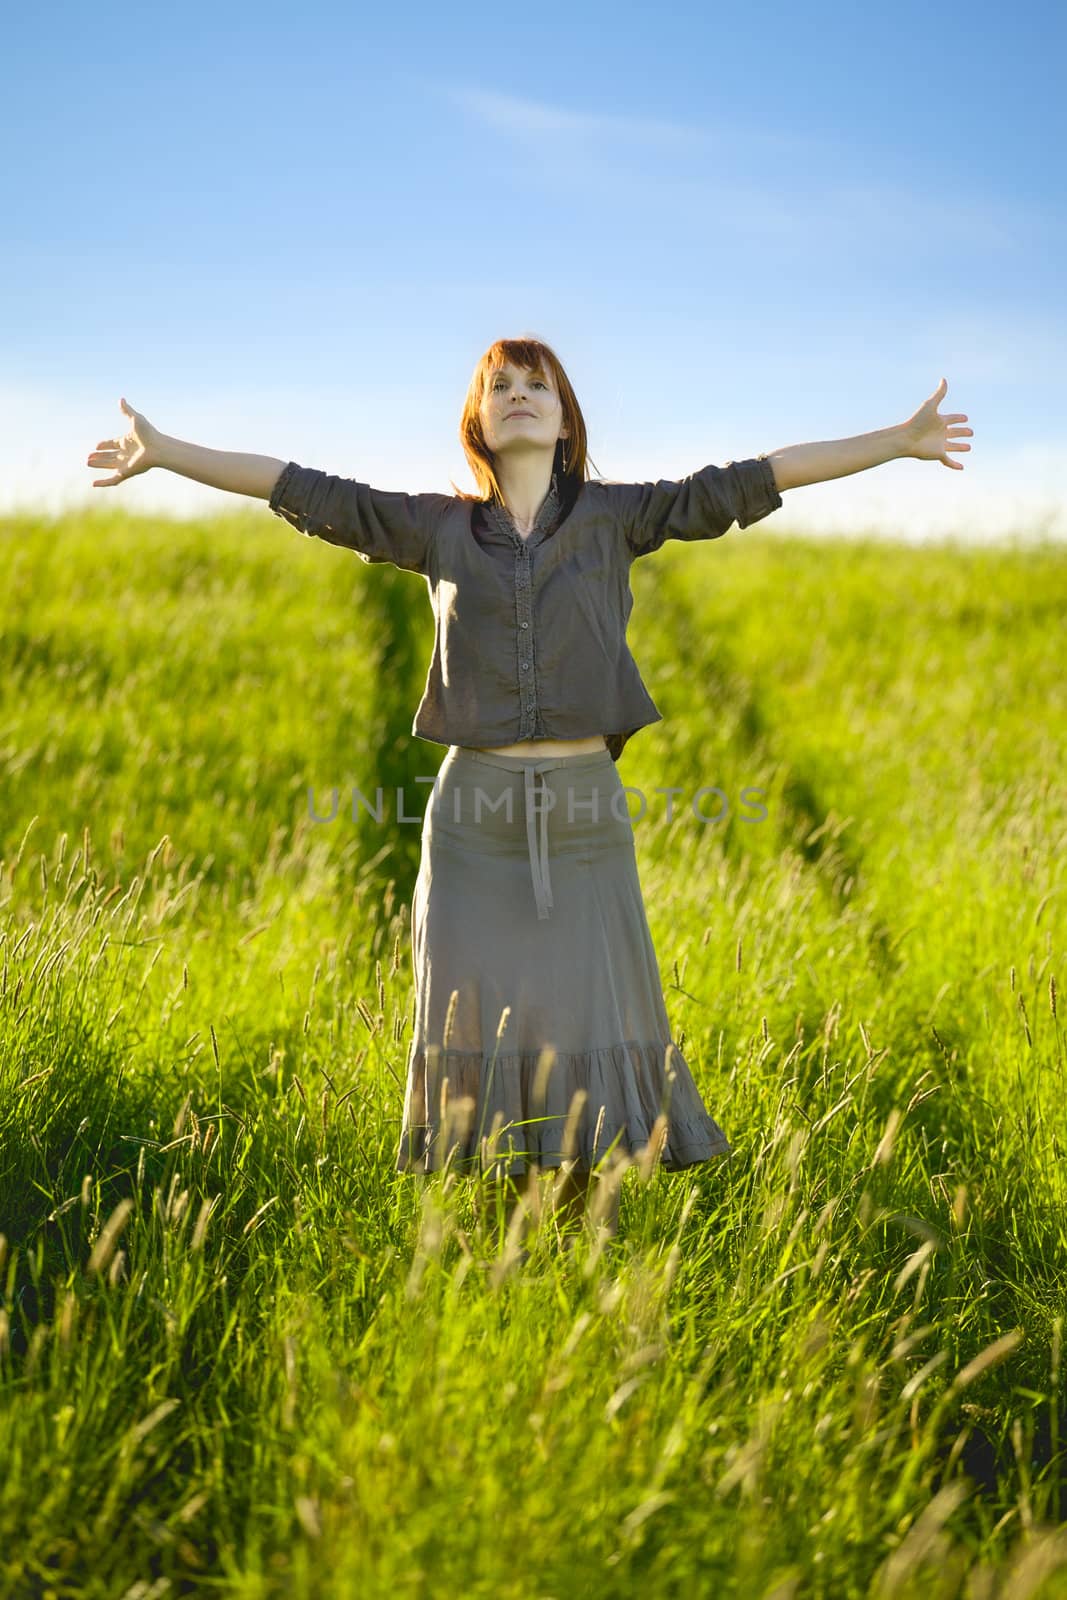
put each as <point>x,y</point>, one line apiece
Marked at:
<point>477,1113</point>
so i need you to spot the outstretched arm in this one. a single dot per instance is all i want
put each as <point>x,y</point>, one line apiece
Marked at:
<point>925,436</point>
<point>144,446</point>
<point>378,524</point>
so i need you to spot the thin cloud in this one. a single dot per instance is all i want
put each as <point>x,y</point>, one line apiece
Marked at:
<point>532,118</point>
<point>729,174</point>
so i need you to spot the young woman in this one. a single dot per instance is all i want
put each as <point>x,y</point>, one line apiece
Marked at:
<point>541,1038</point>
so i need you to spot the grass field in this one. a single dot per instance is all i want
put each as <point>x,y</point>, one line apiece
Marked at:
<point>241,1355</point>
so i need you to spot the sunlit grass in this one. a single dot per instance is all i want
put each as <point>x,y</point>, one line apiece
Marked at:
<point>240,1353</point>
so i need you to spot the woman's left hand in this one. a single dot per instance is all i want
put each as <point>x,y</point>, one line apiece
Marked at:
<point>930,437</point>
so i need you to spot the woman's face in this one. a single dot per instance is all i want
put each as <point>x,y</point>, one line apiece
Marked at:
<point>521,412</point>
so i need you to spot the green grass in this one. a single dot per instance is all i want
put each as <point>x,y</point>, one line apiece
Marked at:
<point>240,1354</point>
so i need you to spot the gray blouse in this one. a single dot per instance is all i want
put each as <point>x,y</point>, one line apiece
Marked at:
<point>529,634</point>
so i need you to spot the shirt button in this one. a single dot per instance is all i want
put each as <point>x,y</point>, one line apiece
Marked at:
<point>525,624</point>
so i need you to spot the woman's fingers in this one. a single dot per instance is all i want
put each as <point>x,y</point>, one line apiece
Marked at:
<point>118,453</point>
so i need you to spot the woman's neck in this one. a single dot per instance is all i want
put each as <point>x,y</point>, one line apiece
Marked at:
<point>524,486</point>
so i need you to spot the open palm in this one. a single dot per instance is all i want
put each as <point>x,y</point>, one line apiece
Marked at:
<point>134,453</point>
<point>930,437</point>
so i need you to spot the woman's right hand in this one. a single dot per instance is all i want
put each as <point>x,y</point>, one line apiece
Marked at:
<point>126,457</point>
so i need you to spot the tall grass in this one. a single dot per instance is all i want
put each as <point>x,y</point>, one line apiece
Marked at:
<point>239,1353</point>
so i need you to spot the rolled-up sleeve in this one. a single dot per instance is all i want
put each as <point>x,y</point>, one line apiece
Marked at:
<point>378,524</point>
<point>702,506</point>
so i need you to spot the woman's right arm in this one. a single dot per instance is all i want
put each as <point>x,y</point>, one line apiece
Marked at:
<point>144,447</point>
<point>378,524</point>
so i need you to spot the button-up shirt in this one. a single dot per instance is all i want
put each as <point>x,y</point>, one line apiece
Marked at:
<point>529,632</point>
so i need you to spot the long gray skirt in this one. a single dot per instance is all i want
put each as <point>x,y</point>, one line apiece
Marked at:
<point>536,978</point>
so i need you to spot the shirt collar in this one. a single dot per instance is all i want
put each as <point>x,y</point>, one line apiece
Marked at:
<point>547,517</point>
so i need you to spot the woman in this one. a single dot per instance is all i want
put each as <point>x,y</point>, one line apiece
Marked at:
<point>541,1038</point>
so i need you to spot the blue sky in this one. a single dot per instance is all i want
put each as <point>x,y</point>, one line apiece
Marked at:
<point>295,231</point>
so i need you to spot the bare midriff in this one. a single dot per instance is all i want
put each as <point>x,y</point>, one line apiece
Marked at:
<point>541,749</point>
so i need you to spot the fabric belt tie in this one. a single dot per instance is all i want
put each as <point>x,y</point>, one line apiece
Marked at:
<point>539,862</point>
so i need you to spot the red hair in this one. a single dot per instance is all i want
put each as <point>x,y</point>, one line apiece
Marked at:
<point>532,355</point>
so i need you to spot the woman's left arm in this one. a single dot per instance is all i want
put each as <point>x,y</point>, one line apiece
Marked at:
<point>925,435</point>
